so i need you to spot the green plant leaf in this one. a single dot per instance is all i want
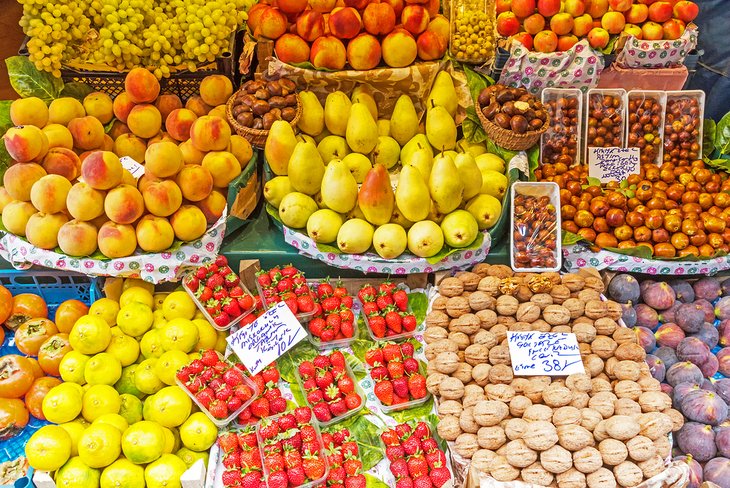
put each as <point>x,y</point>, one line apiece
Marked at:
<point>419,305</point>
<point>290,405</point>
<point>419,412</point>
<point>5,124</point>
<point>722,135</point>
<point>77,90</point>
<point>472,128</point>
<point>365,434</point>
<point>503,153</point>
<point>356,366</point>
<point>448,251</point>
<point>476,82</point>
<point>593,181</point>
<point>611,44</point>
<point>28,81</point>
<point>637,251</point>
<point>533,156</point>
<point>328,248</point>
<point>570,238</point>
<point>433,420</point>
<point>109,125</point>
<point>722,164</point>
<point>298,394</point>
<point>373,482</point>
<point>361,346</point>
<point>708,136</point>
<point>289,362</point>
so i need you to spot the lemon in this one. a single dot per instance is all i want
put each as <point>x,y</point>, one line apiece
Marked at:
<point>168,364</point>
<point>159,320</point>
<point>169,441</point>
<point>136,294</point>
<point>145,378</point>
<point>102,369</point>
<point>192,356</point>
<point>76,473</point>
<point>130,408</point>
<point>180,334</point>
<point>105,309</point>
<point>191,457</point>
<point>113,419</point>
<point>137,283</point>
<point>207,335</point>
<point>143,442</point>
<point>100,445</point>
<point>90,335</point>
<point>72,367</point>
<point>159,300</point>
<point>135,319</point>
<point>198,432</point>
<point>122,474</point>
<point>221,344</point>
<point>198,315</point>
<point>178,304</point>
<point>151,346</point>
<point>170,406</point>
<point>165,472</point>
<point>98,400</point>
<point>74,429</point>
<point>62,403</point>
<point>124,348</point>
<point>48,448</point>
<point>126,381</point>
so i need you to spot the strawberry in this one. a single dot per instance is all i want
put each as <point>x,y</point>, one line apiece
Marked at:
<point>228,442</point>
<point>336,476</point>
<point>390,438</point>
<point>284,285</point>
<point>287,422</point>
<point>340,291</point>
<point>246,439</point>
<point>292,457</point>
<point>436,457</point>
<point>221,260</point>
<point>332,393</point>
<point>395,369</point>
<point>303,415</point>
<point>230,280</point>
<point>328,334</point>
<point>311,447</point>
<point>291,302</point>
<point>407,350</point>
<point>218,409</point>
<point>347,302</point>
<point>357,481</point>
<point>341,436</point>
<point>394,321</point>
<point>417,466</point>
<point>277,405</point>
<point>289,271</point>
<point>209,357</point>
<point>231,307</point>
<point>314,397</point>
<point>411,445</point>
<point>316,327</point>
<point>245,416</point>
<point>392,352</point>
<point>417,386</point>
<point>429,445</point>
<point>322,412</point>
<point>400,385</point>
<point>422,431</point>
<point>297,476</point>
<point>349,449</point>
<point>201,273</point>
<point>440,475</point>
<point>233,404</point>
<point>268,429</point>
<point>347,328</point>
<point>410,365</point>
<point>294,442</point>
<point>346,385</point>
<point>330,304</point>
<point>222,319</point>
<point>192,283</point>
<point>305,303</point>
<point>214,281</point>
<point>398,467</point>
<point>232,460</point>
<point>233,377</point>
<point>366,294</point>
<point>270,375</point>
<point>213,269</point>
<point>377,326</point>
<point>324,379</point>
<point>334,322</point>
<point>374,356</point>
<point>338,407</point>
<point>422,482</point>
<point>314,467</point>
<point>404,483</point>
<point>346,314</point>
<point>400,298</point>
<point>246,302</point>
<point>337,359</point>
<point>321,362</point>
<point>384,392</point>
<point>379,373</point>
<point>409,322</point>
<point>309,384</point>
<point>383,301</point>
<point>278,479</point>
<point>224,392</point>
<point>306,369</point>
<point>370,309</point>
<point>352,466</point>
<point>251,479</point>
<point>324,289</point>
<point>231,477</point>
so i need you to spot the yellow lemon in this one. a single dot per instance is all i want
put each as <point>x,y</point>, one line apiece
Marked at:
<point>198,315</point>
<point>126,382</point>
<point>165,472</point>
<point>170,406</point>
<point>207,335</point>
<point>122,474</point>
<point>77,473</point>
<point>123,347</point>
<point>99,400</point>
<point>74,429</point>
<point>100,445</point>
<point>134,282</point>
<point>135,319</point>
<point>159,300</point>
<point>168,364</point>
<point>106,309</point>
<point>193,355</point>
<point>102,369</point>
<point>179,334</point>
<point>198,432</point>
<point>143,442</point>
<point>178,304</point>
<point>136,294</point>
<point>191,457</point>
<point>48,448</point>
<point>151,345</point>
<point>113,419</point>
<point>159,320</point>
<point>90,334</point>
<point>130,408</point>
<point>145,378</point>
<point>72,367</point>
<point>221,343</point>
<point>169,441</point>
<point>62,403</point>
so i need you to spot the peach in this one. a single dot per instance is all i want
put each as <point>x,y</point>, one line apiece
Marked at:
<point>321,6</point>
<point>290,7</point>
<point>5,198</point>
<point>254,15</point>
<point>121,106</point>
<point>433,7</point>
<point>533,24</point>
<point>162,198</point>
<point>29,111</point>
<point>620,5</point>
<point>660,12</point>
<point>440,25</point>
<point>548,8</point>
<point>686,11</point>
<point>357,4</point>
<point>503,6</point>
<point>99,105</point>
<point>240,148</point>
<point>546,41</point>
<point>310,25</point>
<point>42,229</point>
<point>209,133</point>
<point>673,29</point>
<point>188,223</point>
<point>161,136</point>
<point>562,24</point>
<point>328,52</point>
<point>216,89</point>
<point>272,23</point>
<point>26,143</point>
<point>166,103</point>
<point>397,5</point>
<point>598,38</point>
<point>613,22</point>
<point>141,85</point>
<point>87,132</point>
<point>523,8</point>
<point>430,46</point>
<point>213,206</point>
<point>128,178</point>
<point>378,19</point>
<point>102,170</point>
<point>62,161</point>
<point>16,215</point>
<point>414,19</point>
<point>195,182</point>
<point>178,123</point>
<point>145,180</point>
<point>49,193</point>
<point>633,30</point>
<point>191,155</point>
<point>20,178</point>
<point>566,42</point>
<point>290,48</point>
<point>363,52</point>
<point>576,8</point>
<point>154,234</point>
<point>637,14</point>
<point>345,22</point>
<point>58,136</point>
<point>399,48</point>
<point>525,39</point>
<point>118,128</point>
<point>582,25</point>
<point>131,146</point>
<point>108,143</point>
<point>62,110</point>
<point>77,238</point>
<point>116,240</point>
<point>124,204</point>
<point>223,167</point>
<point>220,111</point>
<point>84,202</point>
<point>163,159</point>
<point>651,31</point>
<point>198,106</point>
<point>144,120</point>
<point>596,8</point>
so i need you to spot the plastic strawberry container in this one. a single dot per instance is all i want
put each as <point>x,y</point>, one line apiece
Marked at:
<point>207,316</point>
<point>336,343</point>
<point>314,423</point>
<point>405,405</point>
<point>301,317</point>
<point>345,415</point>
<point>232,416</point>
<point>434,436</point>
<point>397,337</point>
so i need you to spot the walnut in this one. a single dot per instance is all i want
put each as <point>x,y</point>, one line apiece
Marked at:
<point>640,448</point>
<point>463,373</point>
<point>539,284</point>
<point>518,454</point>
<point>434,381</point>
<point>467,422</point>
<point>652,466</point>
<point>434,334</point>
<point>605,326</point>
<point>516,428</point>
<point>574,437</point>
<point>540,435</point>
<point>500,271</point>
<point>527,312</point>
<point>599,384</point>
<point>448,428</point>
<point>556,315</point>
<point>459,338</point>
<point>630,351</point>
<point>481,460</point>
<point>480,300</point>
<point>542,300</point>
<point>626,370</point>
<point>518,405</point>
<point>627,389</point>
<point>466,445</point>
<point>476,354</point>
<point>499,355</point>
<point>451,287</point>
<point>537,412</point>
<point>614,310</point>
<point>541,326</point>
<point>451,388</point>
<point>556,395</point>
<point>603,347</point>
<point>654,401</point>
<point>603,402</point>
<point>449,407</point>
<point>480,373</point>
<point>613,452</point>
<point>501,373</point>
<point>593,364</point>
<point>500,330</point>
<point>556,459</point>
<point>481,269</point>
<point>489,285</point>
<point>435,348</point>
<point>447,362</point>
<point>502,470</point>
<point>457,306</point>
<point>623,334</point>
<point>572,281</point>
<point>470,401</point>
<point>626,406</point>
<point>533,391</point>
<point>600,433</point>
<point>649,384</point>
<point>490,412</point>
<point>676,418</point>
<point>622,427</point>
<point>663,447</point>
<point>580,399</point>
<point>562,329</point>
<point>499,391</point>
<point>439,303</point>
<point>655,425</point>
<point>578,382</point>
<point>507,305</point>
<point>601,478</point>
<point>523,293</point>
<point>491,437</point>
<point>628,474</point>
<point>509,286</point>
<point>584,333</point>
<point>537,475</point>
<point>560,293</point>
<point>595,309</point>
<point>469,279</point>
<point>437,318</point>
<point>587,460</point>
<point>571,479</point>
<point>487,318</point>
<point>472,390</point>
<point>566,416</point>
<point>519,385</point>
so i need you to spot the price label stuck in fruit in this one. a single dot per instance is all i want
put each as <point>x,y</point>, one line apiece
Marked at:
<point>265,340</point>
<point>612,163</point>
<point>544,353</point>
<point>136,169</point>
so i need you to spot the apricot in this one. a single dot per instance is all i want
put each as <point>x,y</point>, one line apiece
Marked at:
<point>566,42</point>
<point>25,143</point>
<point>154,234</point>
<point>144,120</point>
<point>42,229</point>
<point>213,206</point>
<point>223,167</point>
<point>210,134</point>
<point>378,19</point>
<point>163,159</point>
<point>16,215</point>
<point>145,180</point>
<point>430,46</point>
<point>58,136</point>
<point>241,149</point>
<point>63,110</point>
<point>637,13</point>
<point>141,85</point>
<point>131,146</point>
<point>582,25</point>
<point>124,204</point>
<point>20,178</point>
<point>290,48</point>
<point>195,182</point>
<point>87,132</point>
<point>29,111</point>
<point>596,8</point>
<point>198,106</point>
<point>166,103</point>
<point>162,198</point>
<point>328,52</point>
<point>49,193</point>
<point>272,24</point>
<point>118,128</point>
<point>5,198</point>
<point>121,106</point>
<point>399,49</point>
<point>189,223</point>
<point>178,123</point>
<point>99,105</point>
<point>84,202</point>
<point>216,89</point>
<point>161,136</point>
<point>77,238</point>
<point>363,52</point>
<point>102,170</point>
<point>191,155</point>
<point>116,240</point>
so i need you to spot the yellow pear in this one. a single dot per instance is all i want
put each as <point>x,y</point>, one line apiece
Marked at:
<point>339,188</point>
<point>312,119</point>
<point>443,93</point>
<point>279,146</point>
<point>362,131</point>
<point>337,112</point>
<point>361,94</point>
<point>306,168</point>
<point>444,184</point>
<point>412,195</point>
<point>404,121</point>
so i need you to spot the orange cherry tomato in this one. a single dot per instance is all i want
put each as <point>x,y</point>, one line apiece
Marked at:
<point>68,313</point>
<point>13,417</point>
<point>38,390</point>
<point>36,368</point>
<point>32,334</point>
<point>26,306</point>
<point>6,304</point>
<point>51,353</point>
<point>16,376</point>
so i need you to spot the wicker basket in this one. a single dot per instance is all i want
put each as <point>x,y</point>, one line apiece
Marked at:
<point>508,139</point>
<point>257,137</point>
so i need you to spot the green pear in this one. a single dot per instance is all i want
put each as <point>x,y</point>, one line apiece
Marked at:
<point>390,240</point>
<point>422,160</point>
<point>425,239</point>
<point>398,218</point>
<point>355,236</point>
<point>295,209</point>
<point>419,141</point>
<point>475,149</point>
<point>361,94</point>
<point>440,128</point>
<point>443,93</point>
<point>336,112</point>
<point>312,119</point>
<point>323,226</point>
<point>491,162</point>
<point>404,121</point>
<point>306,168</point>
<point>276,188</point>
<point>460,228</point>
<point>486,210</point>
<point>362,131</point>
<point>469,174</point>
<point>383,127</point>
<point>376,197</point>
<point>494,183</point>
<point>359,165</point>
<point>412,195</point>
<point>280,146</point>
<point>386,152</point>
<point>339,188</point>
<point>444,184</point>
<point>332,147</point>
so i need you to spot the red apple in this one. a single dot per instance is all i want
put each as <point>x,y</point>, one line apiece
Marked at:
<point>686,11</point>
<point>546,41</point>
<point>651,31</point>
<point>633,30</point>
<point>582,25</point>
<point>503,6</point>
<point>637,14</point>
<point>576,8</point>
<point>523,8</point>
<point>660,11</point>
<point>508,24</point>
<point>596,8</point>
<point>561,24</point>
<point>598,38</point>
<point>673,29</point>
<point>566,42</point>
<point>533,24</point>
<point>620,5</point>
<point>378,18</point>
<point>613,22</point>
<point>525,39</point>
<point>548,8</point>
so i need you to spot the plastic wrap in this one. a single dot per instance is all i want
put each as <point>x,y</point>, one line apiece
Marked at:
<point>562,142</point>
<point>645,124</point>
<point>536,243</point>
<point>472,31</point>
<point>683,124</point>
<point>605,118</point>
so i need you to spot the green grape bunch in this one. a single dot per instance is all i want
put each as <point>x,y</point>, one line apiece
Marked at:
<point>123,34</point>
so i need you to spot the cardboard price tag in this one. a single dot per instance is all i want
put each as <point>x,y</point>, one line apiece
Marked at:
<point>132,166</point>
<point>544,353</point>
<point>612,163</point>
<point>265,340</point>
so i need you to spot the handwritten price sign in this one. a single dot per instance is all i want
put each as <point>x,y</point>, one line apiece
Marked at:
<point>267,338</point>
<point>612,163</point>
<point>544,353</point>
<point>132,166</point>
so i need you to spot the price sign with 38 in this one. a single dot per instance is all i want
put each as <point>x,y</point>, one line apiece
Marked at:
<point>544,353</point>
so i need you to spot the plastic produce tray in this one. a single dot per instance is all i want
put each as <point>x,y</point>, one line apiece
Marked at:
<point>54,286</point>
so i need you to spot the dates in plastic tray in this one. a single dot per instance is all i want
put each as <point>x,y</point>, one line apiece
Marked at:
<point>560,144</point>
<point>535,227</point>
<point>605,118</point>
<point>645,126</point>
<point>683,127</point>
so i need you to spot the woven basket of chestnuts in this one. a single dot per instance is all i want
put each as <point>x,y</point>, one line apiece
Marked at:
<point>512,117</point>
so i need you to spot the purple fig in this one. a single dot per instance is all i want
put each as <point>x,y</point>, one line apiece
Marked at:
<point>624,288</point>
<point>724,330</point>
<point>722,308</point>
<point>707,288</point>
<point>698,440</point>
<point>667,355</point>
<point>659,296</point>
<point>725,286</point>
<point>707,308</point>
<point>683,372</point>
<point>681,390</point>
<point>683,290</point>
<point>707,385</point>
<point>690,317</point>
<point>710,367</point>
<point>667,388</point>
<point>723,358</point>
<point>722,441</point>
<point>722,387</point>
<point>669,335</point>
<point>646,338</point>
<point>708,334</point>
<point>718,471</point>
<point>703,406</point>
<point>656,367</point>
<point>646,316</point>
<point>628,314</point>
<point>695,471</point>
<point>693,350</point>
<point>645,284</point>
<point>670,314</point>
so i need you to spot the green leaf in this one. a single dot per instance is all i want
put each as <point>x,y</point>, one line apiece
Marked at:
<point>722,164</point>
<point>28,81</point>
<point>637,251</point>
<point>298,394</point>
<point>289,362</point>
<point>433,420</point>
<point>419,412</point>
<point>708,137</point>
<point>365,434</point>
<point>609,47</point>
<point>109,125</point>
<point>361,346</point>
<point>533,156</point>
<point>476,82</point>
<point>373,482</point>
<point>505,154</point>
<point>593,181</point>
<point>356,366</point>
<point>273,212</point>
<point>290,405</point>
<point>77,90</point>
<point>328,248</point>
<point>472,127</point>
<point>722,135</point>
<point>570,238</point>
<point>448,251</point>
<point>419,305</point>
<point>5,124</point>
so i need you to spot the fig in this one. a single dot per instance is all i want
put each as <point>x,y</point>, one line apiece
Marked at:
<point>624,288</point>
<point>667,355</point>
<point>707,288</point>
<point>669,335</point>
<point>681,390</point>
<point>690,317</point>
<point>683,372</point>
<point>703,406</point>
<point>707,308</point>
<point>646,316</point>
<point>722,387</point>
<point>724,330</point>
<point>710,367</point>
<point>683,291</point>
<point>656,367</point>
<point>697,440</point>
<point>628,315</point>
<point>723,359</point>
<point>695,471</point>
<point>722,441</point>
<point>693,350</point>
<point>725,286</point>
<point>670,314</point>
<point>645,284</point>
<point>659,296</point>
<point>722,308</point>
<point>708,334</point>
<point>718,471</point>
<point>667,388</point>
<point>708,385</point>
<point>646,338</point>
